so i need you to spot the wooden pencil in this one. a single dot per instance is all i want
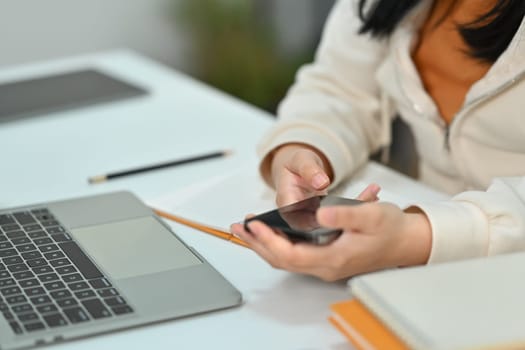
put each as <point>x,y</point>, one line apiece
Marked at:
<point>211,230</point>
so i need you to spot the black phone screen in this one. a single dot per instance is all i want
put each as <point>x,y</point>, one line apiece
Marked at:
<point>297,221</point>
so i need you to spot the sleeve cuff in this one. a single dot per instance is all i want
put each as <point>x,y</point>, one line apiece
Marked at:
<point>459,231</point>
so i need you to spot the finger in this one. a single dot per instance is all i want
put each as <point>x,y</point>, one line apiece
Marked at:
<point>238,230</point>
<point>270,240</point>
<point>299,257</point>
<point>351,218</point>
<point>370,193</point>
<point>287,194</point>
<point>277,250</point>
<point>309,167</point>
<point>308,259</point>
<point>295,195</point>
<point>252,240</point>
<point>287,187</point>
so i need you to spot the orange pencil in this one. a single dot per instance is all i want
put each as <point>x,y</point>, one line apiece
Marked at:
<point>213,231</point>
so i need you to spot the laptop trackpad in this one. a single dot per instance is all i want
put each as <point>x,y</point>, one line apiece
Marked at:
<point>134,247</point>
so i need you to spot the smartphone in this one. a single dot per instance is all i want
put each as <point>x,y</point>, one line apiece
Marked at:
<point>298,223</point>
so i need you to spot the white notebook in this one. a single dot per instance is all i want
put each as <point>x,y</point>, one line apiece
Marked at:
<point>472,304</point>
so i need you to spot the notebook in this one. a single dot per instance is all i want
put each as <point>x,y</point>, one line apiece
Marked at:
<point>471,304</point>
<point>83,266</point>
<point>362,328</point>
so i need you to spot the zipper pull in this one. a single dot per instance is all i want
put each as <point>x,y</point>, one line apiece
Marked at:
<point>446,143</point>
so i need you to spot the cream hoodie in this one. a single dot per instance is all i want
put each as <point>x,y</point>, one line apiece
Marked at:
<point>343,104</point>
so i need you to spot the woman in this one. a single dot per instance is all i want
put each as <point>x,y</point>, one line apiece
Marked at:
<point>454,72</point>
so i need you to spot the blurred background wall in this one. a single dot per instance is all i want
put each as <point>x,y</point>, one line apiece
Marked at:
<point>36,30</point>
<point>248,48</point>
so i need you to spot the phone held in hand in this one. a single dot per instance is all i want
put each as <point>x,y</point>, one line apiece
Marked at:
<point>298,223</point>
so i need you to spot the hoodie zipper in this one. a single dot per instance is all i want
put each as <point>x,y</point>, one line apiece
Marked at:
<point>446,142</point>
<point>476,101</point>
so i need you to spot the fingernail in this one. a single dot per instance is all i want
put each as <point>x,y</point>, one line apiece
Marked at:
<point>375,188</point>
<point>320,180</point>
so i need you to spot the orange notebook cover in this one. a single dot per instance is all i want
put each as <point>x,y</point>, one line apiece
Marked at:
<point>362,328</point>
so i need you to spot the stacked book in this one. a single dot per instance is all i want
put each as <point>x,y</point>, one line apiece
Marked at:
<point>472,304</point>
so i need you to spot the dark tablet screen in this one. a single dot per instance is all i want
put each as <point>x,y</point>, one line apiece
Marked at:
<point>62,91</point>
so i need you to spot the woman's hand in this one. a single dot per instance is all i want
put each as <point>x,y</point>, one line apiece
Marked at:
<point>376,236</point>
<point>298,172</point>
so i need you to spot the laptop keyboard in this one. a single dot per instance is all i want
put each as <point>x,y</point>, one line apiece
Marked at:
<point>46,280</point>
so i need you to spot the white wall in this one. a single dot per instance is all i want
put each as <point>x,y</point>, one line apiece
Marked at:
<point>299,22</point>
<point>35,30</point>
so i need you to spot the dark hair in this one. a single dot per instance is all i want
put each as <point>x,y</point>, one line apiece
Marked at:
<point>487,36</point>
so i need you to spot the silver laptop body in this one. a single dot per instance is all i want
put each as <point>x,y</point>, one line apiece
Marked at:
<point>90,265</point>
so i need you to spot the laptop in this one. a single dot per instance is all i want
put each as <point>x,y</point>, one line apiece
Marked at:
<point>90,265</point>
<point>63,91</point>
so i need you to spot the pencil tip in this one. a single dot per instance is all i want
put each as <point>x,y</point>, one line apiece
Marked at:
<point>97,179</point>
<point>227,152</point>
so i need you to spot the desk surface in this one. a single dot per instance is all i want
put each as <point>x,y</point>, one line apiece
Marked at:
<point>51,156</point>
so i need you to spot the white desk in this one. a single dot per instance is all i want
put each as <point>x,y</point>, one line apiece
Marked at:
<point>50,157</point>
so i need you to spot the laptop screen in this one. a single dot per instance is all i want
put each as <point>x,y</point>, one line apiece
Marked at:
<point>60,92</point>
